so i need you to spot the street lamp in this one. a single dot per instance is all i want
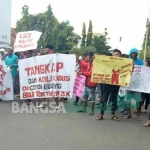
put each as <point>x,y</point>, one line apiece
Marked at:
<point>147,29</point>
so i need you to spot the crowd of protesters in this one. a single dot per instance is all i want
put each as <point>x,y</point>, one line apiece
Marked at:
<point>84,66</point>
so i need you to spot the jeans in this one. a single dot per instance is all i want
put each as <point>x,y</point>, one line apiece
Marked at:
<point>113,98</point>
<point>89,92</point>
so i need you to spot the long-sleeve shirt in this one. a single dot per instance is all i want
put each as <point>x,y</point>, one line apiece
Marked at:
<point>12,60</point>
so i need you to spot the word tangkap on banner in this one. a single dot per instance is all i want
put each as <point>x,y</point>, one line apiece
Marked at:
<point>47,76</point>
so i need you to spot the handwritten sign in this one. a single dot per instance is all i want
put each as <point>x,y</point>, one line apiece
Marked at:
<point>79,85</point>
<point>27,40</point>
<point>6,86</point>
<point>140,79</point>
<point>112,70</point>
<point>5,21</point>
<point>47,76</point>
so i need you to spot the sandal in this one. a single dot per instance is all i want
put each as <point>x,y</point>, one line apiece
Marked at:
<point>91,114</point>
<point>81,111</point>
<point>100,117</point>
<point>138,118</point>
<point>115,118</point>
<point>146,124</point>
<point>127,117</point>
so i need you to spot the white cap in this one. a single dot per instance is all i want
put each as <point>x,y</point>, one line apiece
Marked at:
<point>2,50</point>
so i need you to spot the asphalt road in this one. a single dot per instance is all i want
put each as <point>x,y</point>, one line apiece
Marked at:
<point>69,131</point>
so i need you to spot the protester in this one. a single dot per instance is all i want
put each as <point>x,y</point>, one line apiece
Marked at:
<point>49,49</point>
<point>132,94</point>
<point>44,51</point>
<point>83,65</point>
<point>90,87</point>
<point>101,85</point>
<point>146,96</point>
<point>12,63</point>
<point>107,91</point>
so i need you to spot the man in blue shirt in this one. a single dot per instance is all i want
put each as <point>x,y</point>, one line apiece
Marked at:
<point>12,62</point>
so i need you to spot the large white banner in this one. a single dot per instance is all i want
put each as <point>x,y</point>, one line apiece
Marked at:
<point>140,79</point>
<point>5,21</point>
<point>6,86</point>
<point>47,76</point>
<point>27,40</point>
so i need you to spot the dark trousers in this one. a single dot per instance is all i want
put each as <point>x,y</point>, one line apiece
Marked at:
<point>114,94</point>
<point>145,97</point>
<point>77,99</point>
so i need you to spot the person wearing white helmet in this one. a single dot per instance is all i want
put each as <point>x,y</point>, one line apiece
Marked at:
<point>2,53</point>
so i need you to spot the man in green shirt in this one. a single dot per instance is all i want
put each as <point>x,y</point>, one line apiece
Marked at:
<point>12,63</point>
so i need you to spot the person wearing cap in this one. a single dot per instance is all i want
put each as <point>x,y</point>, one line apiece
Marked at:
<point>83,65</point>
<point>49,49</point>
<point>12,62</point>
<point>90,87</point>
<point>2,53</point>
<point>112,91</point>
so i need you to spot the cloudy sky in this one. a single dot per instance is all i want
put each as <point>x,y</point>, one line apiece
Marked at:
<point>124,18</point>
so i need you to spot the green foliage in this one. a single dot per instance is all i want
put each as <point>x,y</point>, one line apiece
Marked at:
<point>60,35</point>
<point>141,55</point>
<point>83,41</point>
<point>89,34</point>
<point>100,43</point>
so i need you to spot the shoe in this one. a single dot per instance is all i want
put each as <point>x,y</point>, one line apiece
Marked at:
<point>144,111</point>
<point>41,106</point>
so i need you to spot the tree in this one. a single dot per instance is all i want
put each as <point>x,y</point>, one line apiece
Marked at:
<point>141,55</point>
<point>80,51</point>
<point>60,35</point>
<point>100,43</point>
<point>89,34</point>
<point>83,41</point>
<point>22,25</point>
<point>50,27</point>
